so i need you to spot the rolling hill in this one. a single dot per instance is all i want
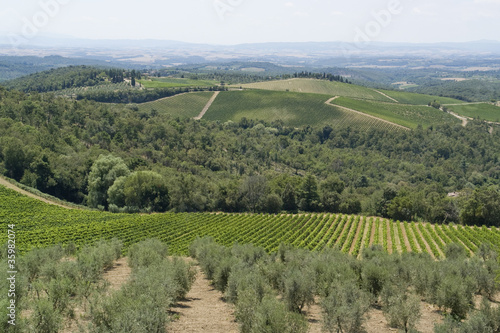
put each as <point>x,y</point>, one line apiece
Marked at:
<point>294,109</point>
<point>403,114</point>
<point>318,87</point>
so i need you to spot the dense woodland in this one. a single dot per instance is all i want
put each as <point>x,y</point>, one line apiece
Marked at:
<point>12,67</point>
<point>138,96</point>
<point>470,90</point>
<point>70,77</point>
<point>53,144</point>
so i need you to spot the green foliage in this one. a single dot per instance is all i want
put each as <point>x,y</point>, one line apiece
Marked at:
<point>482,207</point>
<point>272,317</point>
<point>485,320</point>
<point>93,260</point>
<point>141,305</point>
<point>298,289</point>
<point>289,198</point>
<point>66,77</point>
<point>14,159</point>
<point>453,294</point>
<point>273,204</point>
<point>104,172</point>
<point>147,253</point>
<point>474,90</point>
<point>454,251</point>
<point>344,308</point>
<point>374,277</point>
<point>146,190</point>
<point>45,318</point>
<point>402,310</point>
<point>309,194</point>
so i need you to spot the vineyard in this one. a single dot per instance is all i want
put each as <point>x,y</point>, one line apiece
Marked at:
<point>482,111</point>
<point>319,87</point>
<point>39,225</point>
<point>168,82</point>
<point>403,114</point>
<point>405,97</point>
<point>294,109</point>
<point>184,105</point>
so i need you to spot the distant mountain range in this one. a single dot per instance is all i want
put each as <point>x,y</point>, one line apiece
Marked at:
<point>159,53</point>
<point>487,46</point>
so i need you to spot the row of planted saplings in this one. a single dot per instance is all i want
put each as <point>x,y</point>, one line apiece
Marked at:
<point>271,292</point>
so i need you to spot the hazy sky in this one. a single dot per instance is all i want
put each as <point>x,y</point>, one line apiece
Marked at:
<point>248,21</point>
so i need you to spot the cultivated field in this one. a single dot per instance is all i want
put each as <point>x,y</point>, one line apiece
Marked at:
<point>294,109</point>
<point>184,105</point>
<point>39,225</point>
<point>483,111</point>
<point>403,114</point>
<point>319,87</point>
<point>418,99</point>
<point>169,82</point>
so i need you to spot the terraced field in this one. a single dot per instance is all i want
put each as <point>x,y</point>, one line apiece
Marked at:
<point>184,105</point>
<point>294,109</point>
<point>403,114</point>
<point>38,224</point>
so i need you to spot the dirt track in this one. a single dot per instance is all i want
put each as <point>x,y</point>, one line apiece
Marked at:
<point>207,106</point>
<point>203,310</point>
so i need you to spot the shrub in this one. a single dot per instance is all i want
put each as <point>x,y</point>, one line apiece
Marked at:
<point>267,316</point>
<point>455,252</point>
<point>344,308</point>
<point>453,294</point>
<point>298,289</point>
<point>402,310</point>
<point>147,253</point>
<point>45,318</point>
<point>243,279</point>
<point>374,277</point>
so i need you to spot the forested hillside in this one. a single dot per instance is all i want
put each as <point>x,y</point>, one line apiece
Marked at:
<point>52,143</point>
<point>69,77</point>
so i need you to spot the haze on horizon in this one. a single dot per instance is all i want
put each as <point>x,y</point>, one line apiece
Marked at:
<point>256,21</point>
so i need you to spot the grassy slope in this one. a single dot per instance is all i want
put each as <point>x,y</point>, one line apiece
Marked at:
<point>483,111</point>
<point>294,109</point>
<point>319,87</point>
<point>403,114</point>
<point>185,105</point>
<point>167,82</point>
